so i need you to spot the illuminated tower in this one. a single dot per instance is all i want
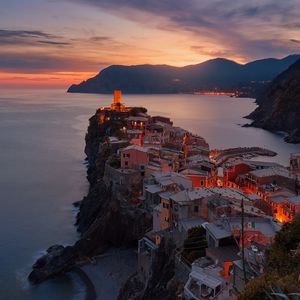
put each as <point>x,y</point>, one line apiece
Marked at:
<point>118,105</point>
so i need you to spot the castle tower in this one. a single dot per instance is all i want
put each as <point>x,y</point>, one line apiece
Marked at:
<point>117,105</point>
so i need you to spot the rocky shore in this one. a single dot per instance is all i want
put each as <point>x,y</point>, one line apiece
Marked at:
<point>105,219</point>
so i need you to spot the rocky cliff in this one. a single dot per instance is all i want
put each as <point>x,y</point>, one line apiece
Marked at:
<point>105,216</point>
<point>279,105</point>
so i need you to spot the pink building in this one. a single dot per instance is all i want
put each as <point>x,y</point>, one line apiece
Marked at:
<point>134,157</point>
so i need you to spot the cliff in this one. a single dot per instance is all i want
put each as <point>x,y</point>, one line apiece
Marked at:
<point>161,282</point>
<point>106,217</point>
<point>216,74</point>
<point>279,105</point>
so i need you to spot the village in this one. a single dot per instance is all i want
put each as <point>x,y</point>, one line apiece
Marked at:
<point>222,208</point>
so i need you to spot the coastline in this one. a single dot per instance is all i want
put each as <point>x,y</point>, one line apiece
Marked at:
<point>106,216</point>
<point>90,292</point>
<point>104,278</point>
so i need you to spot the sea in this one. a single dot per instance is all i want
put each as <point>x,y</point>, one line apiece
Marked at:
<point>42,170</point>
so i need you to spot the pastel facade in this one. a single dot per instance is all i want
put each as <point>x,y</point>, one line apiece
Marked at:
<point>134,157</point>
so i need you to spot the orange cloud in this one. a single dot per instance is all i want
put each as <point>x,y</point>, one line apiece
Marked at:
<point>56,79</point>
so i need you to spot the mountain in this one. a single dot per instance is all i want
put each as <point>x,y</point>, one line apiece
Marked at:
<point>215,74</point>
<point>279,105</point>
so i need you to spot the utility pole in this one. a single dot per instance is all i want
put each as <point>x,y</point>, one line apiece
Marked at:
<point>243,244</point>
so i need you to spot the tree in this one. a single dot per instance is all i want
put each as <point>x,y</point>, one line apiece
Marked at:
<point>282,272</point>
<point>195,244</point>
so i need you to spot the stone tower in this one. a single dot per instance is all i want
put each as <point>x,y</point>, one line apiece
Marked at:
<point>118,105</point>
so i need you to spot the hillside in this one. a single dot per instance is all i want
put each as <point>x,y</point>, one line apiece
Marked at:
<point>279,105</point>
<point>216,74</point>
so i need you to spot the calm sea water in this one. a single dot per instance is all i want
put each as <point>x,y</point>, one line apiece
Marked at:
<point>42,172</point>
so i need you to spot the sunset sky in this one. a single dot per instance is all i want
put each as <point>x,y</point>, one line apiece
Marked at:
<point>59,42</point>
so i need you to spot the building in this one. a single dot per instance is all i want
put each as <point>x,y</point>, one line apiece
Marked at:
<point>226,231</point>
<point>295,163</point>
<point>160,182</point>
<point>117,111</point>
<point>161,119</point>
<point>256,180</point>
<point>134,157</point>
<point>136,129</point>
<point>288,208</point>
<point>199,178</point>
<point>146,249</point>
<point>117,105</point>
<point>205,281</point>
<point>166,216</point>
<point>233,169</point>
<point>188,204</point>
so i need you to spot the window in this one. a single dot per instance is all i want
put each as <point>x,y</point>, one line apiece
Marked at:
<point>126,163</point>
<point>196,208</point>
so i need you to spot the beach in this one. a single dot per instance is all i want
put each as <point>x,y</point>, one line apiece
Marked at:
<point>108,274</point>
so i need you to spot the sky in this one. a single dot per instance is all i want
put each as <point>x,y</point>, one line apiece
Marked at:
<point>59,42</point>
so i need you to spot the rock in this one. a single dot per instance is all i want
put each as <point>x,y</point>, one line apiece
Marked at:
<point>57,261</point>
<point>279,105</point>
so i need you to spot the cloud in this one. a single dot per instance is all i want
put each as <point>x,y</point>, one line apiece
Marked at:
<point>238,26</point>
<point>43,63</point>
<point>54,43</point>
<point>211,51</point>
<point>100,39</point>
<point>23,33</point>
<point>29,37</point>
<point>294,41</point>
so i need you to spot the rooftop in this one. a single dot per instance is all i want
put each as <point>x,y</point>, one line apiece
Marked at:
<point>137,118</point>
<point>190,195</point>
<point>265,225</point>
<point>198,157</point>
<point>153,188</point>
<point>294,200</point>
<point>266,164</point>
<point>224,226</point>
<point>271,172</point>
<point>218,230</point>
<point>136,147</point>
<point>166,194</point>
<point>187,224</point>
<point>189,171</point>
<point>165,179</point>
